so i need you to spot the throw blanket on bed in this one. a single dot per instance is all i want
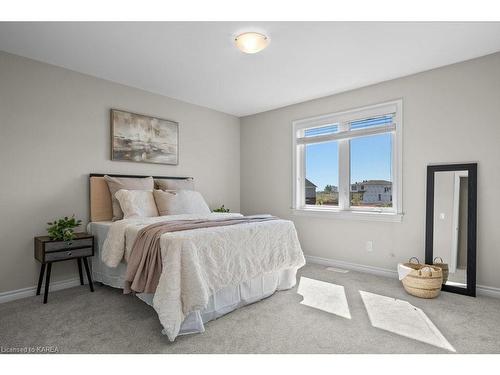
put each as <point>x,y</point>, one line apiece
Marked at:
<point>196,264</point>
<point>144,264</point>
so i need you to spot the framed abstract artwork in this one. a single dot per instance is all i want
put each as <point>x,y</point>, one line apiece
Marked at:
<point>142,138</point>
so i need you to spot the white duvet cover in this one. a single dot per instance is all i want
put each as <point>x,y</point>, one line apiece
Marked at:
<point>198,263</point>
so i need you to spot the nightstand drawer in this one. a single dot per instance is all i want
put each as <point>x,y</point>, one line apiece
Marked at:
<point>63,245</point>
<point>68,254</point>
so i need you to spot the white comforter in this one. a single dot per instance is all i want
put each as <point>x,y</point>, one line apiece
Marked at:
<point>197,263</point>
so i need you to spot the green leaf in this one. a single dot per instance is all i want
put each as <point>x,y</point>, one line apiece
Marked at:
<point>62,229</point>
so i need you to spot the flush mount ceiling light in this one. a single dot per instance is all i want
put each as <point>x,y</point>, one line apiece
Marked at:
<point>251,42</point>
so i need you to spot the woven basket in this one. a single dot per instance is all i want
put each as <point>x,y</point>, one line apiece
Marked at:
<point>443,266</point>
<point>423,281</point>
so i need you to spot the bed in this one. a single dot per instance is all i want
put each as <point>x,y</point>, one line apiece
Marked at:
<point>206,272</point>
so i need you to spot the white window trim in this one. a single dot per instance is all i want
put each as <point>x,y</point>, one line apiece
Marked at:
<point>343,211</point>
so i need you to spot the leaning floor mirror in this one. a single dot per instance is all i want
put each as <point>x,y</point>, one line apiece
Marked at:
<point>450,239</point>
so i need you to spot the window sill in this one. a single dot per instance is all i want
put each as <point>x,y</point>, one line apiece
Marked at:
<point>349,215</point>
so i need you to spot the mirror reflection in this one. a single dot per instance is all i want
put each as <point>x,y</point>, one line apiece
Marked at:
<point>450,225</point>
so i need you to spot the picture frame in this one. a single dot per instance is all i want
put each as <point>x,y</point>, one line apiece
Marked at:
<point>145,139</point>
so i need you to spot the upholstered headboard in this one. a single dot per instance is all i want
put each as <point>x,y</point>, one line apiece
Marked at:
<point>101,208</point>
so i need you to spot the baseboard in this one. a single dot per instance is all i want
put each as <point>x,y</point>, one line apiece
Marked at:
<point>31,291</point>
<point>481,290</point>
<point>351,266</point>
<point>488,291</point>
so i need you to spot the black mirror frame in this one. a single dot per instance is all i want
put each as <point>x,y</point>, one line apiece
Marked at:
<point>471,168</point>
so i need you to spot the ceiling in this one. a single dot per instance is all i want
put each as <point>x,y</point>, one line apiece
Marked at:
<point>197,62</point>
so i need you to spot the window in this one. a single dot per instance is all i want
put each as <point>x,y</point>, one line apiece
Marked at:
<point>349,162</point>
<point>321,166</point>
<point>371,164</point>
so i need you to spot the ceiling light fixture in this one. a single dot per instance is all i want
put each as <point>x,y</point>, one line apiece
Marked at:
<point>251,42</point>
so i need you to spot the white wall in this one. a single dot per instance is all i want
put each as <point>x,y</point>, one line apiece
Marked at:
<point>451,114</point>
<point>55,131</point>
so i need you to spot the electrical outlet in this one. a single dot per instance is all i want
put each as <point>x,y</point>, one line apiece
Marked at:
<point>369,245</point>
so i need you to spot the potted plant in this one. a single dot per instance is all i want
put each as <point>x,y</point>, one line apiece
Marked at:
<point>221,209</point>
<point>63,229</point>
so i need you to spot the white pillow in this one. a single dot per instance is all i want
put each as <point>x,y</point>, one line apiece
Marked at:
<point>136,203</point>
<point>169,184</point>
<point>179,202</point>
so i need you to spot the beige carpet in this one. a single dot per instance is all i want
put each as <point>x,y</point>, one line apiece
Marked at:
<point>333,314</point>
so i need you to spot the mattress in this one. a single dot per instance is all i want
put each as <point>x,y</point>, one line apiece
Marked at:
<point>220,303</point>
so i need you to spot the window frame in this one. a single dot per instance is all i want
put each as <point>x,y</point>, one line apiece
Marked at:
<point>343,136</point>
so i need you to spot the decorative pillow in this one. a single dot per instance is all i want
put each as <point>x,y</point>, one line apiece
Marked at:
<point>166,184</point>
<point>136,203</point>
<point>180,202</point>
<point>127,183</point>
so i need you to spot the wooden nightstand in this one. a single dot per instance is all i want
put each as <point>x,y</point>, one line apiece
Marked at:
<point>48,251</point>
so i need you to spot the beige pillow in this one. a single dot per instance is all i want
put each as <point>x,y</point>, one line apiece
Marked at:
<point>168,184</point>
<point>180,202</point>
<point>136,203</point>
<point>127,183</point>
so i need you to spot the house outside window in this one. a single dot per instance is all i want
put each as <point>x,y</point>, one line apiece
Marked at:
<point>348,163</point>
<point>310,192</point>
